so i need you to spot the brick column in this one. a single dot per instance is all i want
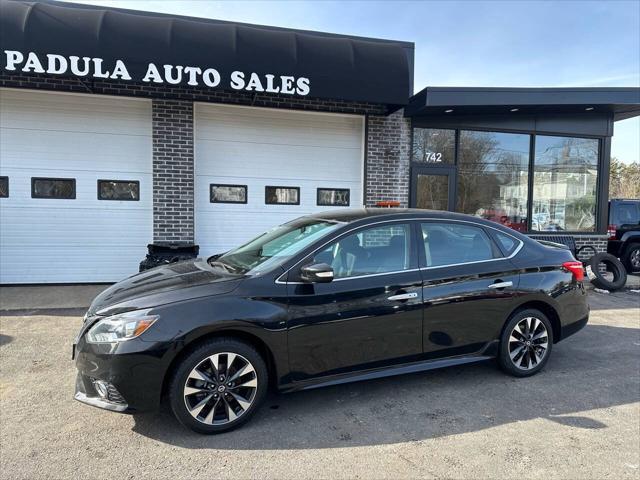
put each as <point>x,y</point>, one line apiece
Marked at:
<point>173,177</point>
<point>388,158</point>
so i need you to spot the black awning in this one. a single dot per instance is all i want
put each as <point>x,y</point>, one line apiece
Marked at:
<point>621,102</point>
<point>337,66</point>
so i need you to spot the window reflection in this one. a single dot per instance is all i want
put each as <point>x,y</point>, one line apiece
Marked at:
<point>564,184</point>
<point>493,177</point>
<point>433,145</point>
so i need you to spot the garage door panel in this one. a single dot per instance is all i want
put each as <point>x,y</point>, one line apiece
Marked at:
<point>261,147</point>
<point>45,111</point>
<point>54,264</point>
<point>238,125</point>
<point>73,151</point>
<point>86,138</point>
<point>76,228</point>
<point>277,160</point>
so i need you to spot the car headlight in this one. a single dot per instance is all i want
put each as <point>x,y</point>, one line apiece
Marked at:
<point>121,327</point>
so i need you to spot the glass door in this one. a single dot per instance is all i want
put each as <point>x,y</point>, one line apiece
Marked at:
<point>432,188</point>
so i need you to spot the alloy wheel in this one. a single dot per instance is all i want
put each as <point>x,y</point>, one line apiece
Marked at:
<point>220,388</point>
<point>528,343</point>
<point>635,259</point>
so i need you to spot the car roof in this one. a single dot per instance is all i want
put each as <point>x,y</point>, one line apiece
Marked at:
<point>350,215</point>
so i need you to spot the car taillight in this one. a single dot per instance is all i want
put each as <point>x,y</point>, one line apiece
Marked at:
<point>611,231</point>
<point>575,268</point>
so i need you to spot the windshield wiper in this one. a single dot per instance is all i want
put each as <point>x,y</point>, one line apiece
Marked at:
<point>225,266</point>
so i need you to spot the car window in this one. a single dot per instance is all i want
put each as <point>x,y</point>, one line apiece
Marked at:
<point>507,242</point>
<point>275,246</point>
<point>374,250</point>
<point>626,213</point>
<point>454,243</point>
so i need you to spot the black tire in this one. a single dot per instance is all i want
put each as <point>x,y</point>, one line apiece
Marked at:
<point>225,406</point>
<point>521,360</point>
<point>631,258</point>
<point>613,265</point>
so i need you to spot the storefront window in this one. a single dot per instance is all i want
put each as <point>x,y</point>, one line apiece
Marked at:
<point>564,184</point>
<point>434,145</point>
<point>493,172</point>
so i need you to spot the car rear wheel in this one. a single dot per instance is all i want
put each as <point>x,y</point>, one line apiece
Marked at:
<point>218,386</point>
<point>526,343</point>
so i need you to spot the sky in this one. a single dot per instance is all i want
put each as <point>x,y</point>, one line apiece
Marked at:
<point>470,43</point>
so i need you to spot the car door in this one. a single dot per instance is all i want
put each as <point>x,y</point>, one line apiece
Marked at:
<point>470,287</point>
<point>369,316</point>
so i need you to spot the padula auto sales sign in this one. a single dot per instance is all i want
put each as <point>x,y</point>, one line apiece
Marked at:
<point>167,74</point>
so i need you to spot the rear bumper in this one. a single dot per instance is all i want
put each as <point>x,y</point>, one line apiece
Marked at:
<point>571,328</point>
<point>614,247</point>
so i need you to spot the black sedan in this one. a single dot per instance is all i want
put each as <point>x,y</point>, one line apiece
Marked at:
<point>325,299</point>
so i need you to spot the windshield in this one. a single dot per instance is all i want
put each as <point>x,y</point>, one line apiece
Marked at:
<point>274,247</point>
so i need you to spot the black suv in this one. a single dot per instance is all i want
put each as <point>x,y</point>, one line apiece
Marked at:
<point>624,232</point>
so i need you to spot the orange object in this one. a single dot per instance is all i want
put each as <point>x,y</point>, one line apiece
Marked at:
<point>388,203</point>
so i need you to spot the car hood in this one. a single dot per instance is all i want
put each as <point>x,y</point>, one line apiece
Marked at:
<point>165,284</point>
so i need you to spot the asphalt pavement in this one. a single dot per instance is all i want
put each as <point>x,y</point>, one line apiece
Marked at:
<point>579,418</point>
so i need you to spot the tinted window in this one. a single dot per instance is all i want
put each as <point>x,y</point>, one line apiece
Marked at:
<point>61,188</point>
<point>452,243</point>
<point>118,190</point>
<point>625,214</point>
<point>433,145</point>
<point>333,197</point>
<point>282,195</point>
<point>507,242</point>
<point>374,250</point>
<point>493,174</point>
<point>228,193</point>
<point>4,187</point>
<point>564,184</point>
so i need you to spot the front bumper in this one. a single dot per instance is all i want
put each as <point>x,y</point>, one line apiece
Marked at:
<point>131,374</point>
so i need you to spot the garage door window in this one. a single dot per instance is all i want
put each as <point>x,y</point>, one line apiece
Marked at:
<point>227,193</point>
<point>58,188</point>
<point>337,197</point>
<point>282,195</point>
<point>118,190</point>
<point>4,187</point>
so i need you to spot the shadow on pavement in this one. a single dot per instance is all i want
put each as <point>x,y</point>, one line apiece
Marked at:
<point>597,368</point>
<point>619,300</point>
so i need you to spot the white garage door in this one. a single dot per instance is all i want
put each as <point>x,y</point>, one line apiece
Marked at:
<point>255,148</point>
<point>84,139</point>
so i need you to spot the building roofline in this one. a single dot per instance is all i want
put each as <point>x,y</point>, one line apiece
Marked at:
<point>622,102</point>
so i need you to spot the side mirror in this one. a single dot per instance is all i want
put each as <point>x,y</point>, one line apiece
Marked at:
<point>317,273</point>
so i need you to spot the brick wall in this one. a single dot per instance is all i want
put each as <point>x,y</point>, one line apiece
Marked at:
<point>173,177</point>
<point>388,158</point>
<point>598,242</point>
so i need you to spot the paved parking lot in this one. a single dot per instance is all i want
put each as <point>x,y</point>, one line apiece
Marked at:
<point>580,418</point>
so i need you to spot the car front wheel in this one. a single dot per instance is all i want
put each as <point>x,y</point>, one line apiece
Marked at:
<point>526,343</point>
<point>218,386</point>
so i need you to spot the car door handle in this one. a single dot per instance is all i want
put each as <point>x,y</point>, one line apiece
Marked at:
<point>403,296</point>
<point>501,285</point>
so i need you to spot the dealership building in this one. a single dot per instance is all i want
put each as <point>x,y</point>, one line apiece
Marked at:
<point>121,128</point>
